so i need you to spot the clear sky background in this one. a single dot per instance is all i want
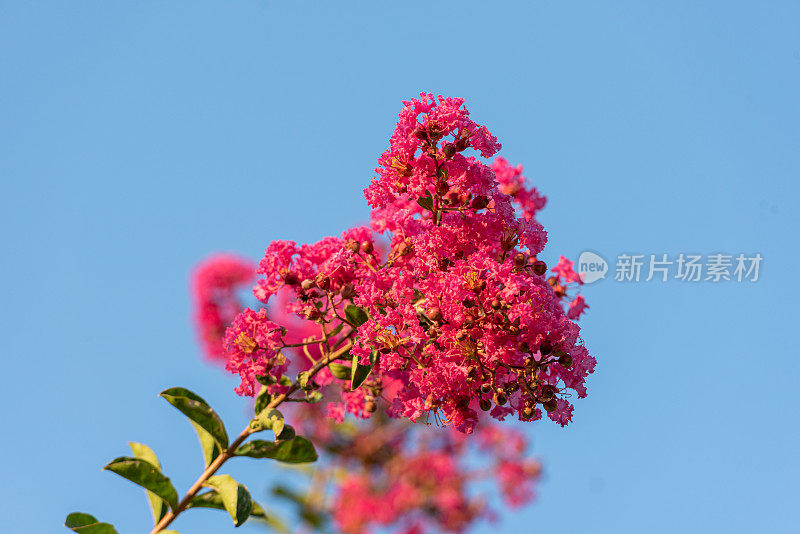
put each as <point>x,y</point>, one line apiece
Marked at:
<point>137,137</point>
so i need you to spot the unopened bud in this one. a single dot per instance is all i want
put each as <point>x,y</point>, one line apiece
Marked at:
<point>348,291</point>
<point>435,314</point>
<point>539,267</point>
<point>322,281</point>
<point>565,360</point>
<point>442,187</point>
<point>551,405</point>
<point>545,347</point>
<point>520,260</point>
<point>486,389</point>
<point>468,303</point>
<point>290,279</point>
<point>479,202</point>
<point>449,150</point>
<point>527,412</point>
<point>461,336</point>
<point>370,406</point>
<point>420,133</point>
<point>352,245</point>
<point>367,247</point>
<point>485,404</point>
<point>496,304</point>
<point>311,313</point>
<point>509,239</point>
<point>501,399</point>
<point>307,284</point>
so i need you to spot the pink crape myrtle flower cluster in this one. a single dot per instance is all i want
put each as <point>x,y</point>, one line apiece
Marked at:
<point>384,472</point>
<point>429,486</point>
<point>458,313</point>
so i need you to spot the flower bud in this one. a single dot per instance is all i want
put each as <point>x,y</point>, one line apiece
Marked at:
<point>539,267</point>
<point>469,322</point>
<point>420,133</point>
<point>352,245</point>
<point>479,202</point>
<point>449,150</point>
<point>520,260</point>
<point>485,404</point>
<point>496,304</point>
<point>461,336</point>
<point>348,291</point>
<point>442,187</point>
<point>501,399</point>
<point>565,360</point>
<point>551,405</point>
<point>486,389</point>
<point>307,284</point>
<point>289,278</point>
<point>370,406</point>
<point>527,412</point>
<point>367,247</point>
<point>523,346</point>
<point>468,303</point>
<point>545,347</point>
<point>322,281</point>
<point>435,314</point>
<point>509,239</point>
<point>311,313</point>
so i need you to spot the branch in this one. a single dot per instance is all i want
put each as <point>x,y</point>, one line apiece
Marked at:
<point>231,450</point>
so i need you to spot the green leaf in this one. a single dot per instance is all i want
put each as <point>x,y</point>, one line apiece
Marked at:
<point>297,450</point>
<point>147,475</point>
<point>211,448</point>
<point>361,372</point>
<point>342,372</point>
<point>286,434</point>
<point>262,399</point>
<point>355,315</point>
<point>268,419</point>
<point>235,497</point>
<point>212,499</point>
<point>309,514</point>
<point>203,418</point>
<point>157,506</point>
<point>313,397</point>
<point>336,330</point>
<point>426,201</point>
<point>87,524</point>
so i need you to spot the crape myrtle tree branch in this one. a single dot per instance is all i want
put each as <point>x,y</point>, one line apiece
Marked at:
<point>450,317</point>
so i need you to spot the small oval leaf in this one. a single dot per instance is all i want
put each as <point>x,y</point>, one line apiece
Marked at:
<point>87,524</point>
<point>361,372</point>
<point>235,497</point>
<point>195,408</point>
<point>157,506</point>
<point>147,475</point>
<point>297,450</point>
<point>355,315</point>
<point>342,372</point>
<point>212,499</point>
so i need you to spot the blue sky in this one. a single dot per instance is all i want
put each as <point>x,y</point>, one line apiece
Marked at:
<point>139,137</point>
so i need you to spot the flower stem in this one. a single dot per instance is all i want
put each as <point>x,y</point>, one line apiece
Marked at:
<point>231,450</point>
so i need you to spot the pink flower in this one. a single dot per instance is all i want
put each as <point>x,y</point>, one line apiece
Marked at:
<point>252,345</point>
<point>577,307</point>
<point>215,282</point>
